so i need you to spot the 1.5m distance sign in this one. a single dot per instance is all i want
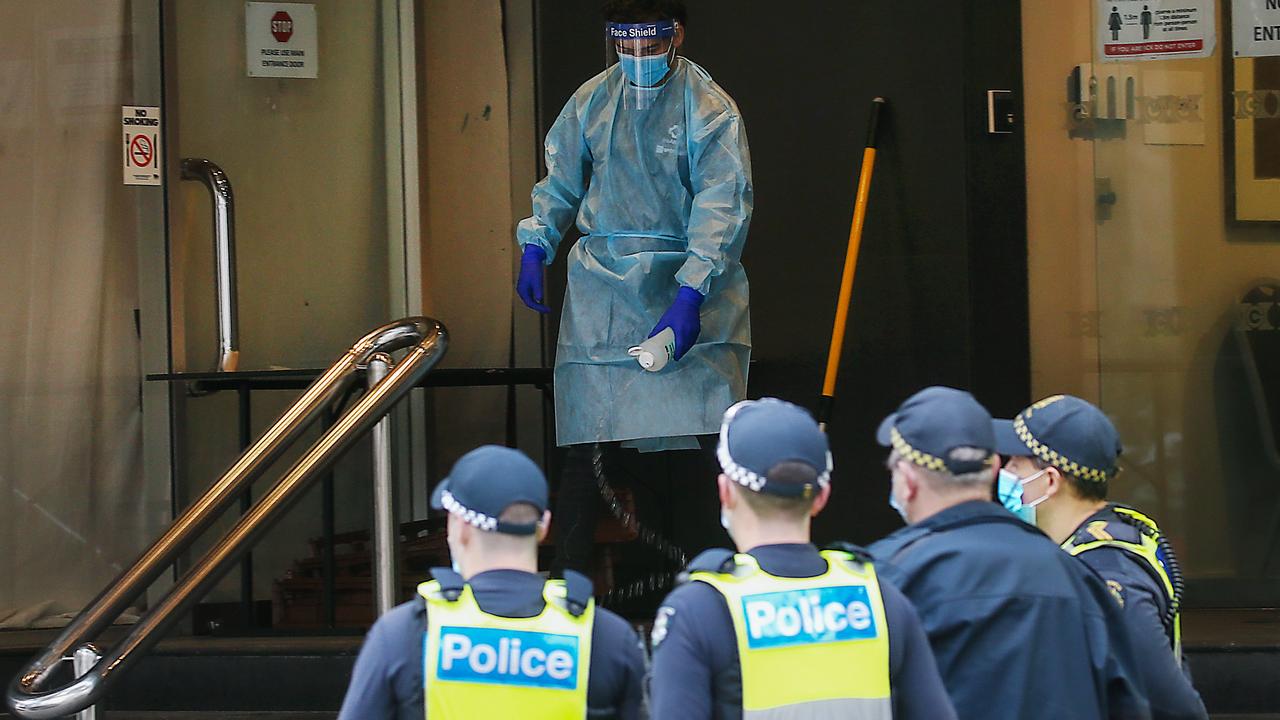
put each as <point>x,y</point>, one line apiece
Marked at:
<point>1129,30</point>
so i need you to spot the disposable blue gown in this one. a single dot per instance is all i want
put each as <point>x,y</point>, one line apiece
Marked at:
<point>663,198</point>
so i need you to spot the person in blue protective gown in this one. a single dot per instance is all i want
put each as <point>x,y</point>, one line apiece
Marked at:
<point>650,158</point>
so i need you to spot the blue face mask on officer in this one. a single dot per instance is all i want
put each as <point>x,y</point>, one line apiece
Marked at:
<point>1010,489</point>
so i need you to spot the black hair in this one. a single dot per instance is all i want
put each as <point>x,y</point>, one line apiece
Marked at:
<point>632,11</point>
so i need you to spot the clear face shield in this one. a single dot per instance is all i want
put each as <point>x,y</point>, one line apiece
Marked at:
<point>646,53</point>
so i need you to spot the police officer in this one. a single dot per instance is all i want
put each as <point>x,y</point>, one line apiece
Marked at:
<point>1019,630</point>
<point>781,629</point>
<point>491,638</point>
<point>1062,454</point>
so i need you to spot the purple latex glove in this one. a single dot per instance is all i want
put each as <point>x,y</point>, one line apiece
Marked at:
<point>682,318</point>
<point>529,285</point>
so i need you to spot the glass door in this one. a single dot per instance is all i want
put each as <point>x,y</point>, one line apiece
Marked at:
<point>301,106</point>
<point>1187,261</point>
<point>84,444</point>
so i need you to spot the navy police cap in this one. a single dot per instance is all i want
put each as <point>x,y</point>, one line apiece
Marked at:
<point>488,480</point>
<point>1066,432</point>
<point>930,425</point>
<point>758,435</point>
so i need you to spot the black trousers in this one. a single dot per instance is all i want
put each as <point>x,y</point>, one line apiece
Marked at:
<point>675,495</point>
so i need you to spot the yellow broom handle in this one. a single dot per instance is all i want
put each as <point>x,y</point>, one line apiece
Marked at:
<point>850,266</point>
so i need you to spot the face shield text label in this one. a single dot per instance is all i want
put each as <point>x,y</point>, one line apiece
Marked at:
<point>801,617</point>
<point>508,657</point>
<point>641,31</point>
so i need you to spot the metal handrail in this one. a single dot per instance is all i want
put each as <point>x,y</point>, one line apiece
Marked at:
<point>427,340</point>
<point>224,256</point>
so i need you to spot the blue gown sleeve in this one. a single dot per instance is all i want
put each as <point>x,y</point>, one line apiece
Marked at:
<point>557,196</point>
<point>720,177</point>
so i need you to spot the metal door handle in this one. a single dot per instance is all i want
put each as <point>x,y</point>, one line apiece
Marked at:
<point>224,256</point>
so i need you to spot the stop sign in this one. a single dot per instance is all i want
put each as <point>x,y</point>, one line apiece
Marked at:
<point>282,26</point>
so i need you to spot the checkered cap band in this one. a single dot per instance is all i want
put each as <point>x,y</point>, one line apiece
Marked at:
<point>470,517</point>
<point>745,476</point>
<point>1048,454</point>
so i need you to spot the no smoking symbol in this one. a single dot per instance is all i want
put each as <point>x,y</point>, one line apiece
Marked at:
<point>141,151</point>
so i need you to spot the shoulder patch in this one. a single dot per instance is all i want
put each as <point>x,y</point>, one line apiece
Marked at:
<point>1107,531</point>
<point>659,632</point>
<point>1117,591</point>
<point>1098,529</point>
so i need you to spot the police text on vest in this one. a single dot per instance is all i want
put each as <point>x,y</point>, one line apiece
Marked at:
<point>508,657</point>
<point>814,615</point>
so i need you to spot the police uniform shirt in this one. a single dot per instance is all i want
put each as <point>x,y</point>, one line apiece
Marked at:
<point>1018,627</point>
<point>387,682</point>
<point>1145,603</point>
<point>696,673</point>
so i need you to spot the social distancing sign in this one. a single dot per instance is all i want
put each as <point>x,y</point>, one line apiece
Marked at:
<point>1129,30</point>
<point>142,159</point>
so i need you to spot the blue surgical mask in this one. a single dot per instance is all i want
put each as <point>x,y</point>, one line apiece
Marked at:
<point>645,70</point>
<point>1009,490</point>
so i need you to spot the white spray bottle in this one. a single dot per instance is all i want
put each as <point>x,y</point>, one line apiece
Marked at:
<point>654,354</point>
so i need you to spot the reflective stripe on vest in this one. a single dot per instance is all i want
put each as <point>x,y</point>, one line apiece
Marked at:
<point>1145,551</point>
<point>810,648</point>
<point>478,665</point>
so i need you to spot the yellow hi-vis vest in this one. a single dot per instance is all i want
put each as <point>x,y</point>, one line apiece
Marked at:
<point>810,648</point>
<point>477,665</point>
<point>1142,545</point>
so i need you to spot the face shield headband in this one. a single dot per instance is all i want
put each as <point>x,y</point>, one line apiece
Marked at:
<point>645,51</point>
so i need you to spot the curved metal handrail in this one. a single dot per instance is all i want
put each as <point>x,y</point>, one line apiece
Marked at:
<point>224,256</point>
<point>427,340</point>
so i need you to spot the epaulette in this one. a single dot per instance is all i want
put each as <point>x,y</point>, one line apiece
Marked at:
<point>577,592</point>
<point>858,552</point>
<point>1107,530</point>
<point>715,560</point>
<point>451,583</point>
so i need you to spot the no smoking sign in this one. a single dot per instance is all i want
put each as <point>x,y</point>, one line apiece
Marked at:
<point>140,129</point>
